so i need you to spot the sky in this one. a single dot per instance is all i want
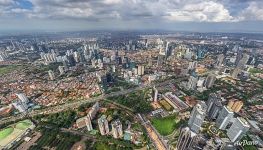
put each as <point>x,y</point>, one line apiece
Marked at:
<point>177,15</point>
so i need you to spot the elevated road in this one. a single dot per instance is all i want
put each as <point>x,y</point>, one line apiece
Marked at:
<point>76,104</point>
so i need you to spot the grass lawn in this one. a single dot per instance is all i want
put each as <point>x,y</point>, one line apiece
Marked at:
<point>166,125</point>
<point>102,146</point>
<point>4,133</point>
<point>255,70</point>
<point>7,69</point>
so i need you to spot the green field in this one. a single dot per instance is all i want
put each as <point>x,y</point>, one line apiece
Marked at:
<point>166,125</point>
<point>7,69</point>
<point>4,133</point>
<point>255,70</point>
<point>22,125</point>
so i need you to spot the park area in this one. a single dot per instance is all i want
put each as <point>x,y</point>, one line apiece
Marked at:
<point>7,69</point>
<point>13,132</point>
<point>166,125</point>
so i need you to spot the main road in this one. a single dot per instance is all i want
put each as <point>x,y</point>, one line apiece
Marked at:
<point>75,104</point>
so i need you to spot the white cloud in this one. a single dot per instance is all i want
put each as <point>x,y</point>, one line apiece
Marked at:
<point>139,10</point>
<point>253,12</point>
<point>204,11</point>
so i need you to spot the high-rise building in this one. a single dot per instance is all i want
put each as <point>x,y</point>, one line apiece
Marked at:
<point>192,65</point>
<point>22,97</point>
<point>51,75</point>
<point>192,82</point>
<point>197,116</point>
<point>238,129</point>
<point>94,109</point>
<point>210,80</point>
<point>241,64</point>
<point>103,125</point>
<point>155,94</point>
<point>186,140</point>
<point>84,121</point>
<point>211,99</point>
<point>219,61</point>
<point>61,70</point>
<point>20,106</point>
<point>117,129</point>
<point>224,117</point>
<point>140,70</point>
<point>237,106</point>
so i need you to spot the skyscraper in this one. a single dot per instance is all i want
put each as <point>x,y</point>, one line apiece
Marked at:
<point>197,116</point>
<point>186,140</point>
<point>212,99</point>
<point>117,129</point>
<point>210,80</point>
<point>238,129</point>
<point>224,117</point>
<point>103,125</point>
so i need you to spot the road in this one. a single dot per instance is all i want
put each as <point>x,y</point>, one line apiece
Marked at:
<point>156,139</point>
<point>76,104</point>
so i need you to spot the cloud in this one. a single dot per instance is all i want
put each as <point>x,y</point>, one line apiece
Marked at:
<point>205,11</point>
<point>253,12</point>
<point>138,10</point>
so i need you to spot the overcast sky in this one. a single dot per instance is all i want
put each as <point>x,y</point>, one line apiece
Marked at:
<point>186,15</point>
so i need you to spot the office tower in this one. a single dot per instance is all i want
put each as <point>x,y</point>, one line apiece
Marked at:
<point>103,125</point>
<point>84,121</point>
<point>155,94</point>
<point>192,82</point>
<point>61,70</point>
<point>238,129</point>
<point>210,80</point>
<point>94,109</point>
<point>219,61</point>
<point>51,75</point>
<point>187,139</point>
<point>197,116</point>
<point>117,129</point>
<point>22,97</point>
<point>224,117</point>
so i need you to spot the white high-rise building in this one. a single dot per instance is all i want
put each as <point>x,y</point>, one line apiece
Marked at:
<point>22,97</point>
<point>238,129</point>
<point>103,125</point>
<point>94,109</point>
<point>197,116</point>
<point>85,121</point>
<point>117,129</point>
<point>192,82</point>
<point>186,140</point>
<point>155,94</point>
<point>224,118</point>
<point>210,80</point>
<point>51,75</point>
<point>61,70</point>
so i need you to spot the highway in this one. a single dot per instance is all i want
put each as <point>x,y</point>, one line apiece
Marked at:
<point>76,104</point>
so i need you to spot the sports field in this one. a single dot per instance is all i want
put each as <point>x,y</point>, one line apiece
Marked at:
<point>14,131</point>
<point>166,125</point>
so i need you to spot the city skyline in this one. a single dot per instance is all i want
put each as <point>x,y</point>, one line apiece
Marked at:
<point>179,15</point>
